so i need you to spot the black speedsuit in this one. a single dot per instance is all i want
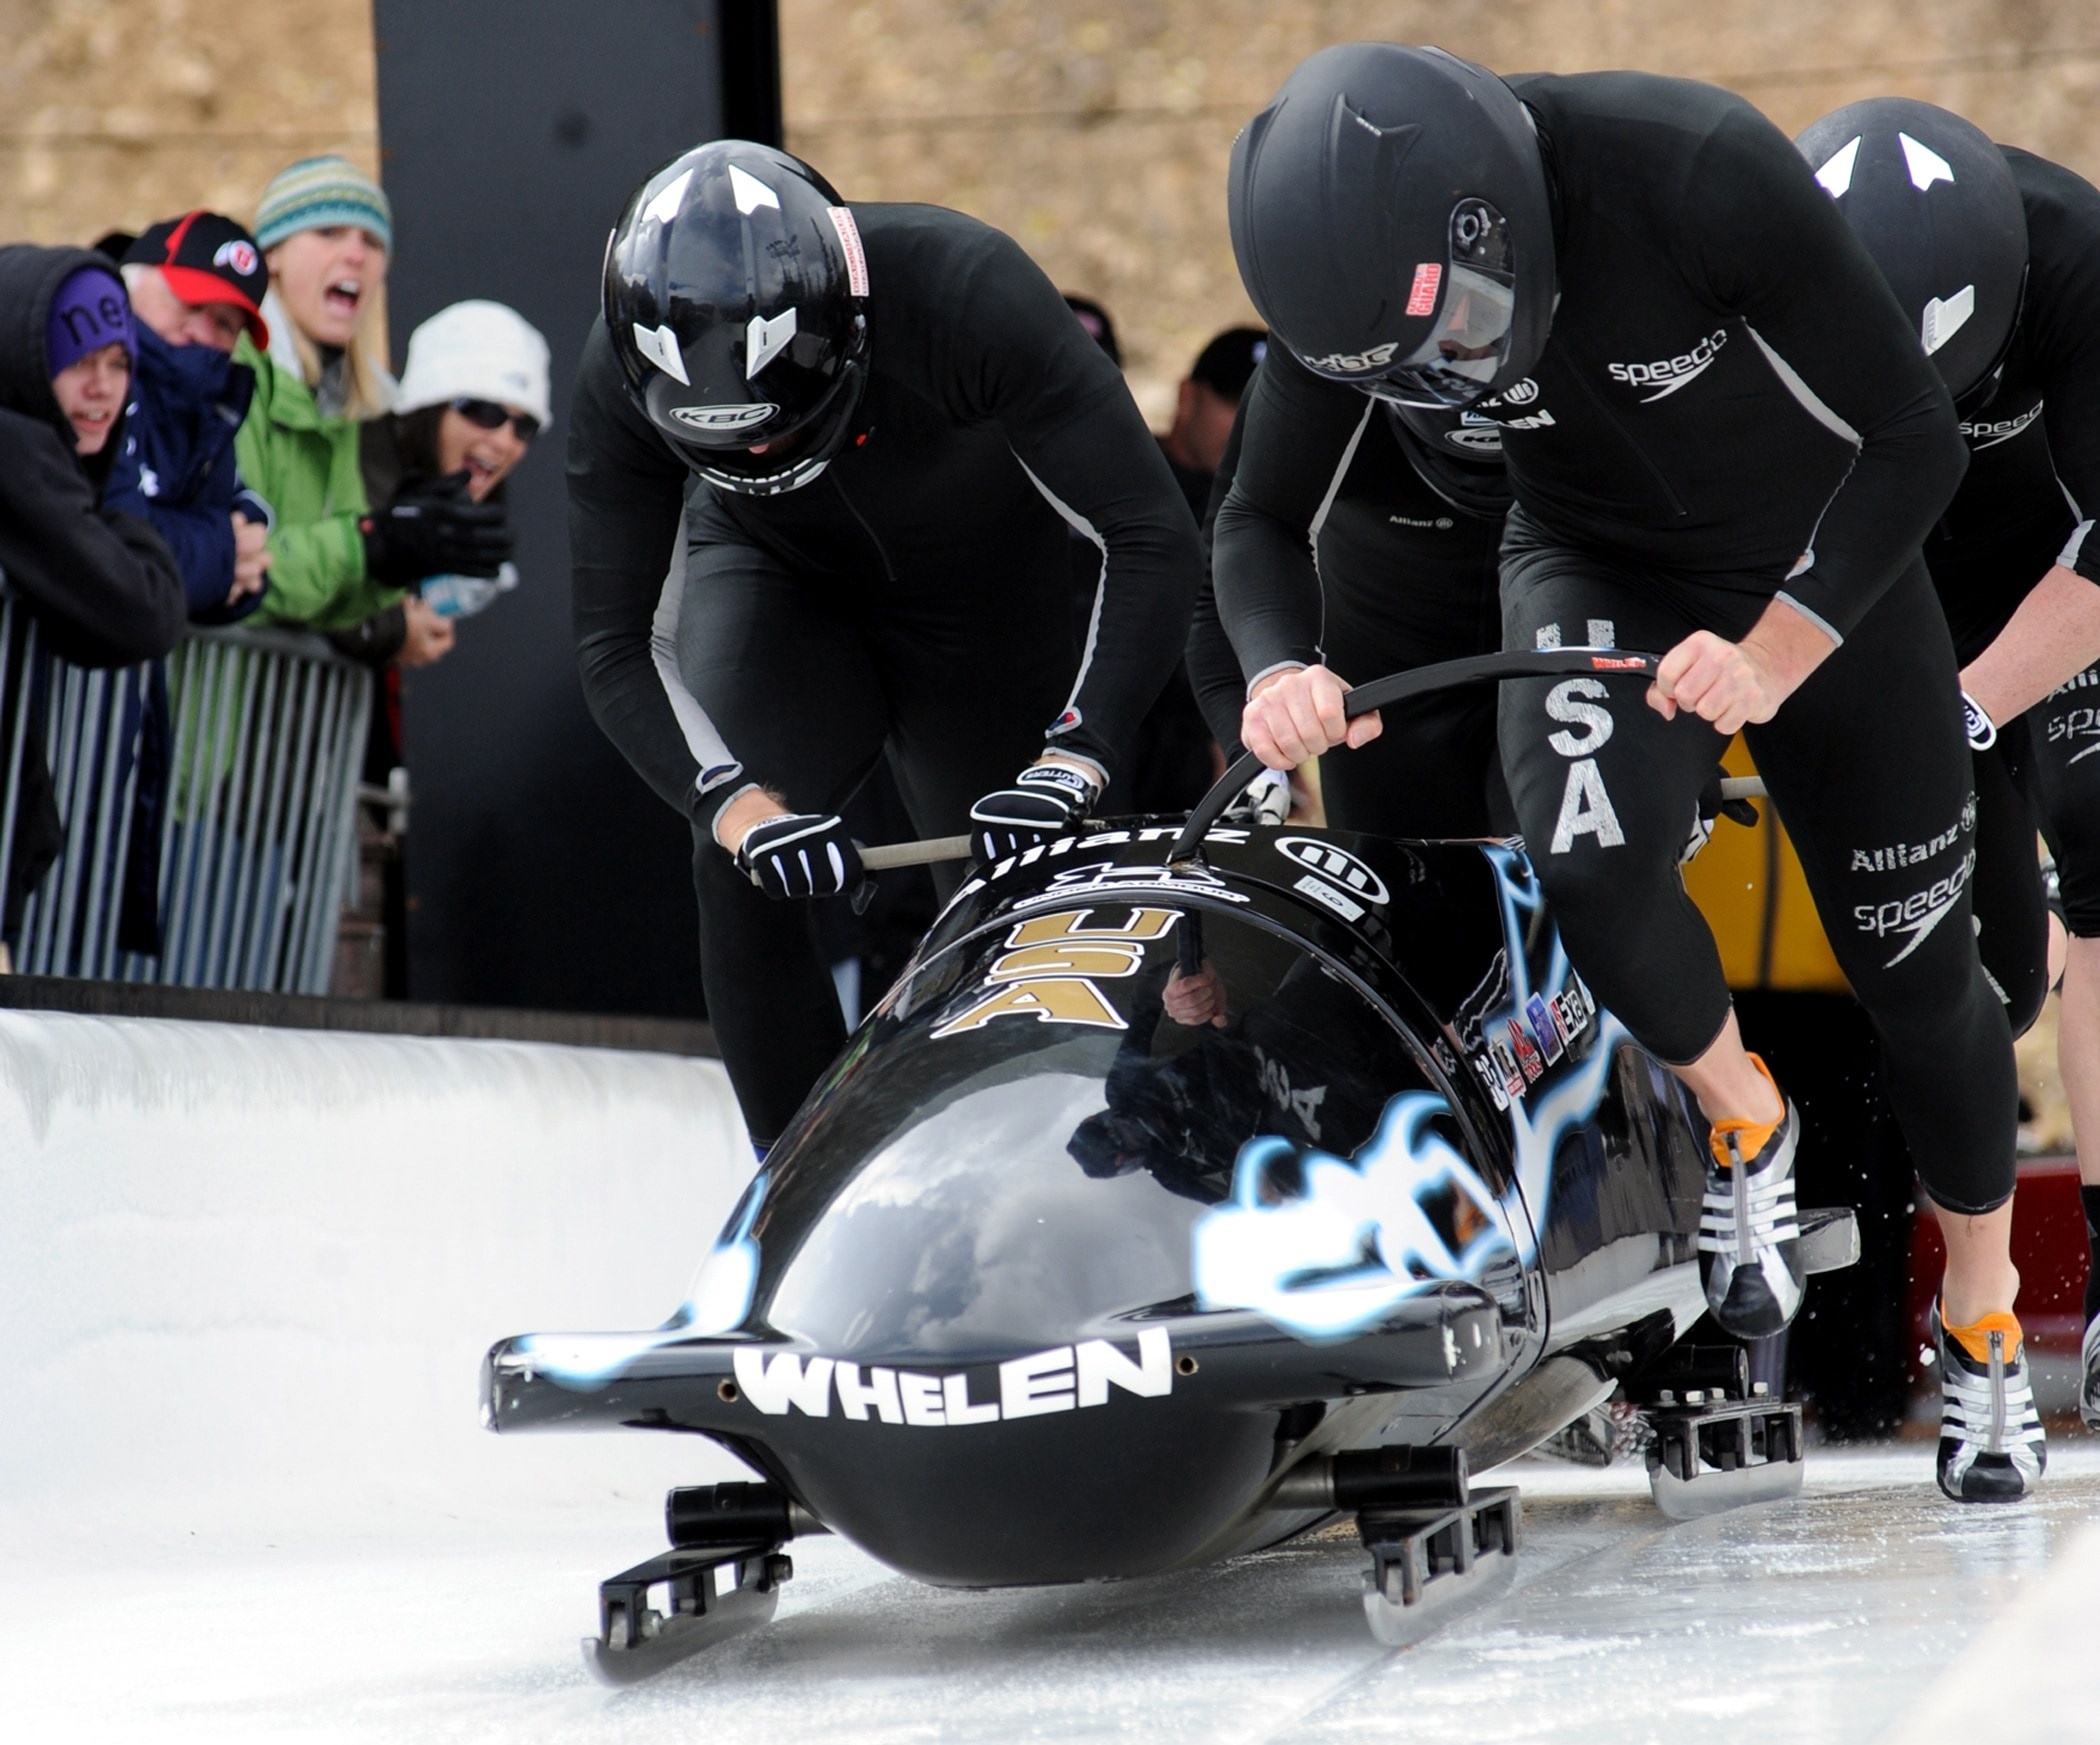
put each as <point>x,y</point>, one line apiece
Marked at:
<point>914,596</point>
<point>2027,503</point>
<point>1731,409</point>
<point>1332,499</point>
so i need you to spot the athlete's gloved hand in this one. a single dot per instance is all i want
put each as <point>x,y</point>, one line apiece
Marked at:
<point>801,854</point>
<point>1981,729</point>
<point>1707,810</point>
<point>1046,800</point>
<point>432,528</point>
<point>1266,800</point>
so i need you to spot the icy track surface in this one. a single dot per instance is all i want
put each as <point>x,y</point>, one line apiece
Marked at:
<point>1860,1612</point>
<point>246,1279</point>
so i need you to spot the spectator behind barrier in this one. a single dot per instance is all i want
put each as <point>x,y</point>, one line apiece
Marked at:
<point>325,229</point>
<point>101,583</point>
<point>197,283</point>
<point>473,397</point>
<point>102,586</point>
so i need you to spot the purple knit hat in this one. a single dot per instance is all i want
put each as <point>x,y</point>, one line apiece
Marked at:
<point>88,311</point>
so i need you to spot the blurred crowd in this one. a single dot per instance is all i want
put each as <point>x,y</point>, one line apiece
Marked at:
<point>198,426</point>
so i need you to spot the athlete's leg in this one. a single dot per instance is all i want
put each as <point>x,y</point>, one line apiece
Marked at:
<point>790,687</point>
<point>1606,791</point>
<point>1868,767</point>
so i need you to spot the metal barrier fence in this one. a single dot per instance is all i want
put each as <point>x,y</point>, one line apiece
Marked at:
<point>253,741</point>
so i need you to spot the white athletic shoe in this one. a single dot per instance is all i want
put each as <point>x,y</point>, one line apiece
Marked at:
<point>1992,1449</point>
<point>1749,1230</point>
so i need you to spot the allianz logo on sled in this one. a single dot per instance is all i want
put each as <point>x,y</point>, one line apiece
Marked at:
<point>1062,1379</point>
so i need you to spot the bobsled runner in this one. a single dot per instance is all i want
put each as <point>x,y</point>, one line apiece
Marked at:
<point>1194,1185</point>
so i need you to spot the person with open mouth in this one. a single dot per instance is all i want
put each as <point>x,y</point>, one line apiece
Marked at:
<point>326,231</point>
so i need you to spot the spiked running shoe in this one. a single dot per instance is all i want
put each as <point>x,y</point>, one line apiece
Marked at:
<point>1991,1445</point>
<point>1749,1232</point>
<point>2089,1390</point>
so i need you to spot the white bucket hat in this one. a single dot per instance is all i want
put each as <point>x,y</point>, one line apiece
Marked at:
<point>477,351</point>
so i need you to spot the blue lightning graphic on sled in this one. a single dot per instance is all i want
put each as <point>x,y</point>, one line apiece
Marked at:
<point>1332,1260</point>
<point>716,1300</point>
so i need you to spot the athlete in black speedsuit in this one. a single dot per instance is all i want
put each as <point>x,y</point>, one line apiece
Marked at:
<point>820,468</point>
<point>1994,254</point>
<point>1725,444</point>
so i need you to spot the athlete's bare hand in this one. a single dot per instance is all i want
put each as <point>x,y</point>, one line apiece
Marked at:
<point>1191,1000</point>
<point>1717,680</point>
<point>1294,716</point>
<point>1732,684</point>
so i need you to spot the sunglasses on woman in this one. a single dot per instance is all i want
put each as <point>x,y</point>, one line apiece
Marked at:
<point>487,415</point>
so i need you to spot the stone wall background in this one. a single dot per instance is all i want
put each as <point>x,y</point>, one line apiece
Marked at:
<point>1096,131</point>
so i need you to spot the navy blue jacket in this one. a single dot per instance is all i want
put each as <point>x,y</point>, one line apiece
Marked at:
<point>176,469</point>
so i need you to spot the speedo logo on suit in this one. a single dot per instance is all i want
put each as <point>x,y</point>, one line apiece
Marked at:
<point>1988,434</point>
<point>1915,916</point>
<point>1062,1379</point>
<point>1666,375</point>
<point>2076,724</point>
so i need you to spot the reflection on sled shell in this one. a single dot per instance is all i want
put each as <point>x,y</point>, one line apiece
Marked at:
<point>1053,1278</point>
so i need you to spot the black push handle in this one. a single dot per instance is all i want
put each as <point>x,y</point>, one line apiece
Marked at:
<point>1523,663</point>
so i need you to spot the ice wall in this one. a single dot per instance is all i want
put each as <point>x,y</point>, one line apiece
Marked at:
<point>249,1273</point>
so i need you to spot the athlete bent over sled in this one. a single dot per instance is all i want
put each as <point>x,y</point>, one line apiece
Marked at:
<point>1994,254</point>
<point>1726,444</point>
<point>854,437</point>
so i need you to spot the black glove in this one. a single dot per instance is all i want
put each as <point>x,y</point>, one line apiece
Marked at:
<point>432,528</point>
<point>801,854</point>
<point>1047,800</point>
<point>1708,810</point>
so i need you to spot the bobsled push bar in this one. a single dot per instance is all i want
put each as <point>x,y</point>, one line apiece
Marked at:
<point>1544,663</point>
<point>715,1530</point>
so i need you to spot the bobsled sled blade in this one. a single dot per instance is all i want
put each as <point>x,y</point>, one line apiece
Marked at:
<point>1725,1454</point>
<point>1829,1239</point>
<point>637,1642</point>
<point>1429,1567</point>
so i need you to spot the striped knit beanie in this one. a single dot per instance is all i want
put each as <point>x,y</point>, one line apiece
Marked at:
<point>316,193</point>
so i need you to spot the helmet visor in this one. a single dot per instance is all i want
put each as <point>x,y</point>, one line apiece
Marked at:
<point>1470,340</point>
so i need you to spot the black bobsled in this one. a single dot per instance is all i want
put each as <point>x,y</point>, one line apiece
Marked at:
<point>1072,1268</point>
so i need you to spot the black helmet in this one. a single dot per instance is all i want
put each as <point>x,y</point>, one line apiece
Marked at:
<point>1390,216</point>
<point>735,297</point>
<point>1935,202</point>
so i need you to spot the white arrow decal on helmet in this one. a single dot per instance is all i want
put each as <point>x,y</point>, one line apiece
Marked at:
<point>1926,165</point>
<point>1945,317</point>
<point>668,199</point>
<point>750,192</point>
<point>661,349</point>
<point>1836,173</point>
<point>765,340</point>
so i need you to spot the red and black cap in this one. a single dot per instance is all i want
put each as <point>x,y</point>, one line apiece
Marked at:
<point>207,258</point>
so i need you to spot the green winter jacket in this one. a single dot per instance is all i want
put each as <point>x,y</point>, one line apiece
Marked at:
<point>305,467</point>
